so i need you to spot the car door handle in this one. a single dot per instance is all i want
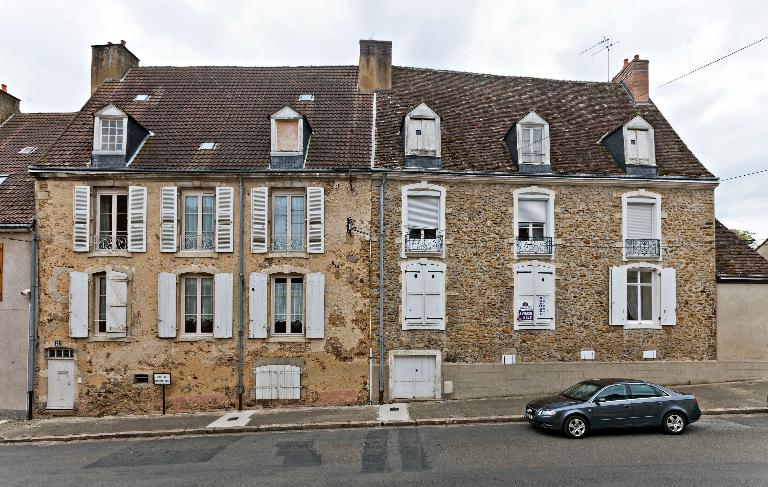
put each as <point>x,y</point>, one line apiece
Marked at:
<point>658,403</point>
<point>626,406</point>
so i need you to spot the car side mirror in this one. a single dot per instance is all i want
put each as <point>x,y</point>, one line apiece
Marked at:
<point>599,400</point>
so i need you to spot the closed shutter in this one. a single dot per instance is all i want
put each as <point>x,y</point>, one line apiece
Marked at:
<point>414,132</point>
<point>166,305</point>
<point>78,304</point>
<point>424,210</point>
<point>315,305</point>
<point>434,296</point>
<point>81,218</point>
<point>257,305</point>
<point>168,218</point>
<point>544,288</point>
<point>632,146</point>
<point>137,219</point>
<point>618,296</point>
<point>222,305</point>
<point>640,220</point>
<point>531,210</point>
<point>259,227</point>
<point>315,220</point>
<point>668,296</point>
<point>428,139</point>
<point>117,301</point>
<point>278,382</point>
<point>643,146</point>
<point>414,295</point>
<point>224,228</point>
<point>524,290</point>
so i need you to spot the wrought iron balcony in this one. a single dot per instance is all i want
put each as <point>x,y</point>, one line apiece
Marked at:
<point>424,245</point>
<point>642,247</point>
<point>281,243</point>
<point>198,241</point>
<point>539,246</point>
<point>111,241</point>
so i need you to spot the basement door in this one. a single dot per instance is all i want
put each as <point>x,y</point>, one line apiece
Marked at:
<point>61,384</point>
<point>414,377</point>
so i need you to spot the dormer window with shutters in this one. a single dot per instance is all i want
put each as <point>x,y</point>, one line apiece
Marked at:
<point>633,147</point>
<point>290,135</point>
<point>529,144</point>
<point>288,222</point>
<point>423,220</point>
<point>641,212</point>
<point>422,138</point>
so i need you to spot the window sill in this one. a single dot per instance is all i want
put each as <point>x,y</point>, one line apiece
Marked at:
<point>642,325</point>
<point>109,253</point>
<point>287,339</point>
<point>278,153</point>
<point>294,255</point>
<point>202,254</point>
<point>108,338</point>
<point>196,338</point>
<point>534,327</point>
<point>107,153</point>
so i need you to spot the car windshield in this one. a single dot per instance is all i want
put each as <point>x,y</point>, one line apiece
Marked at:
<point>581,391</point>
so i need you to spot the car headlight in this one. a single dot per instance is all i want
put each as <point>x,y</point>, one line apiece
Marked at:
<point>547,412</point>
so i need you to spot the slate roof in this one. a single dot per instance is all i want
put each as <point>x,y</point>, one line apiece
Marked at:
<point>734,257</point>
<point>231,106</point>
<point>24,130</point>
<point>477,111</point>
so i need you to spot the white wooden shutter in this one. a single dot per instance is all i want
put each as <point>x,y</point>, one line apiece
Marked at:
<point>222,305</point>
<point>414,295</point>
<point>259,227</point>
<point>618,296</point>
<point>78,304</point>
<point>168,218</point>
<point>544,289</point>
<point>525,294</point>
<point>224,227</point>
<point>166,305</point>
<point>434,296</point>
<point>643,146</point>
<point>413,138</point>
<point>315,305</point>
<point>315,220</point>
<point>632,146</point>
<point>668,296</point>
<point>117,300</point>
<point>137,219</point>
<point>81,218</point>
<point>257,305</point>
<point>640,220</point>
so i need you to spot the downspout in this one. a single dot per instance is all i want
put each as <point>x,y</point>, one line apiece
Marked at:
<point>381,287</point>
<point>241,304</point>
<point>370,263</point>
<point>32,322</point>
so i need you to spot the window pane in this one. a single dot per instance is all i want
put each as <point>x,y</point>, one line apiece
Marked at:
<point>524,231</point>
<point>102,283</point>
<point>632,276</point>
<point>105,221</point>
<point>297,223</point>
<point>639,391</point>
<point>190,305</point>
<point>646,276</point>
<point>207,237</point>
<point>280,222</point>
<point>646,300</point>
<point>287,135</point>
<point>538,231</point>
<point>122,222</point>
<point>297,305</point>
<point>190,222</point>
<point>614,393</point>
<point>280,305</point>
<point>632,311</point>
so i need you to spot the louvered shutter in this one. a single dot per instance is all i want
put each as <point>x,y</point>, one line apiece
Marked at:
<point>137,219</point>
<point>168,218</point>
<point>166,305</point>
<point>668,296</point>
<point>640,220</point>
<point>315,220</point>
<point>257,305</point>
<point>315,305</point>
<point>78,304</point>
<point>618,296</point>
<point>434,296</point>
<point>117,301</point>
<point>424,210</point>
<point>224,227</point>
<point>414,295</point>
<point>222,305</point>
<point>525,292</point>
<point>544,289</point>
<point>81,218</point>
<point>259,219</point>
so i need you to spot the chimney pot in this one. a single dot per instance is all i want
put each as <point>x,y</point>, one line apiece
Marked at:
<point>375,68</point>
<point>4,87</point>
<point>122,42</point>
<point>634,77</point>
<point>636,58</point>
<point>626,61</point>
<point>110,61</point>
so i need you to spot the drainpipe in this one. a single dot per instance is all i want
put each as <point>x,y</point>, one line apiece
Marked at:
<point>240,287</point>
<point>32,322</point>
<point>381,287</point>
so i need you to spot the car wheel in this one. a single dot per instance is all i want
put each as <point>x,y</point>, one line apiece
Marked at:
<point>674,423</point>
<point>576,427</point>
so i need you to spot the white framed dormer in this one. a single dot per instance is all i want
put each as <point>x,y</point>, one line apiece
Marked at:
<point>642,295</point>
<point>532,140</point>
<point>423,295</point>
<point>422,220</point>
<point>639,145</point>
<point>533,219</point>
<point>287,133</point>
<point>110,131</point>
<point>641,225</point>
<point>422,132</point>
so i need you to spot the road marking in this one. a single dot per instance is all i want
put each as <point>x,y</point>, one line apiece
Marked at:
<point>232,420</point>
<point>392,413</point>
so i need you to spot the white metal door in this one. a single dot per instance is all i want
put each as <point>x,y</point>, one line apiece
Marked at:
<point>61,388</point>
<point>414,377</point>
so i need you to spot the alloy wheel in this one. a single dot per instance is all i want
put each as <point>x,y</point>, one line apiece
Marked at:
<point>576,427</point>
<point>674,423</point>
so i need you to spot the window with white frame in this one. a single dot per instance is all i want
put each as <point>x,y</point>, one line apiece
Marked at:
<point>288,221</point>
<point>287,132</point>
<point>642,225</point>
<point>534,296</point>
<point>422,132</point>
<point>110,303</point>
<point>110,131</point>
<point>423,219</point>
<point>100,291</point>
<point>639,146</point>
<point>112,220</point>
<point>534,214</point>
<point>199,220</point>
<point>287,305</point>
<point>642,296</point>
<point>197,299</point>
<point>424,295</point>
<point>533,140</point>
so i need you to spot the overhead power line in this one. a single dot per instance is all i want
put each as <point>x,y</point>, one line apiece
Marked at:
<point>744,175</point>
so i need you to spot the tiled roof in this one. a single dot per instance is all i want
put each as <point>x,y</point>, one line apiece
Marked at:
<point>230,106</point>
<point>24,130</point>
<point>734,257</point>
<point>477,111</point>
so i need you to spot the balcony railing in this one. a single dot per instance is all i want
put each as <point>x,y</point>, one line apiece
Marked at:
<point>642,247</point>
<point>198,241</point>
<point>424,245</point>
<point>281,243</point>
<point>111,241</point>
<point>540,246</point>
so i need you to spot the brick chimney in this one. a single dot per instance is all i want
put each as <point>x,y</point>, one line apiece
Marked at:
<point>9,104</point>
<point>375,71</point>
<point>634,77</point>
<point>110,61</point>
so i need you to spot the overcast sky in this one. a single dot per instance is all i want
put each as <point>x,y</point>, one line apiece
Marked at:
<point>45,55</point>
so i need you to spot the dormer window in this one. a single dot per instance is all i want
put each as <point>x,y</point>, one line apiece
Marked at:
<point>638,143</point>
<point>287,133</point>
<point>110,130</point>
<point>422,132</point>
<point>532,140</point>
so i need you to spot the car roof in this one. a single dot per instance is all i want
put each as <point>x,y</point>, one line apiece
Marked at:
<point>608,382</point>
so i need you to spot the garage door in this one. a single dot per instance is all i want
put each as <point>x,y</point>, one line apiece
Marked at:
<point>414,376</point>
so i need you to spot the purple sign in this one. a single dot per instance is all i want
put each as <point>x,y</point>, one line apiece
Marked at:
<point>525,313</point>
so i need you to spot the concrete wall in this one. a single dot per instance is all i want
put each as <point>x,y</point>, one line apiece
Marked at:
<point>742,321</point>
<point>14,322</point>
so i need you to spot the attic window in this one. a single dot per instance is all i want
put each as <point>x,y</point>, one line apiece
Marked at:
<point>110,130</point>
<point>141,98</point>
<point>639,143</point>
<point>287,133</point>
<point>3,177</point>
<point>422,132</point>
<point>208,146</point>
<point>27,150</point>
<point>532,140</point>
<point>307,97</point>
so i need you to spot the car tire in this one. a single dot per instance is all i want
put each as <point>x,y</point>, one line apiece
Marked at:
<point>576,427</point>
<point>674,423</point>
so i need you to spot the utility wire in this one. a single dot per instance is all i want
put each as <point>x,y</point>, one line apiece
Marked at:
<point>744,175</point>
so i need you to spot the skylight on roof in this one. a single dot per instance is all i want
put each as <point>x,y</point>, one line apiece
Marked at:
<point>141,98</point>
<point>28,150</point>
<point>306,97</point>
<point>207,146</point>
<point>3,177</point>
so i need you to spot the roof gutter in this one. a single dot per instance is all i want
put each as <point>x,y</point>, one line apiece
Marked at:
<point>742,278</point>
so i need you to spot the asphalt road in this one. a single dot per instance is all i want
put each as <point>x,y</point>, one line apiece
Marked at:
<point>717,451</point>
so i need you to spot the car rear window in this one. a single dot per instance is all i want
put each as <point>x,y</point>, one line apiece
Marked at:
<point>639,391</point>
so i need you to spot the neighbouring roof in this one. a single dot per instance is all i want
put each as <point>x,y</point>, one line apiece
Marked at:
<point>477,110</point>
<point>230,106</point>
<point>735,258</point>
<point>40,130</point>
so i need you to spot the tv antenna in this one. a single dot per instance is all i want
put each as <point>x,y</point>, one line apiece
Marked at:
<point>604,45</point>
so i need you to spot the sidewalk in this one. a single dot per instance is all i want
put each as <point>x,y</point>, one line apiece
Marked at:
<point>722,398</point>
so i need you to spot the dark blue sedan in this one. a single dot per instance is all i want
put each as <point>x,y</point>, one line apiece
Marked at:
<point>613,403</point>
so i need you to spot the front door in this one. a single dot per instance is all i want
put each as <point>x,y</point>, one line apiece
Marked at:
<point>414,377</point>
<point>612,408</point>
<point>61,388</point>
